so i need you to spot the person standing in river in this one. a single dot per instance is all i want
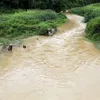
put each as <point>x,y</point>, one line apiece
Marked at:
<point>10,47</point>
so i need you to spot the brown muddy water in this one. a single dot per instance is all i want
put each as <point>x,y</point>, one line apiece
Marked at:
<point>60,67</point>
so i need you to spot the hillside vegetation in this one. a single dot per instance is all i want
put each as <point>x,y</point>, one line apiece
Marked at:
<point>92,17</point>
<point>57,5</point>
<point>16,24</point>
<point>21,24</point>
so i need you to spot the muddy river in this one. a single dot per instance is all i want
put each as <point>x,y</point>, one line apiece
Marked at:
<point>60,67</point>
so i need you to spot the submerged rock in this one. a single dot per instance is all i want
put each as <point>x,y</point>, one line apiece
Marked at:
<point>24,46</point>
<point>52,31</point>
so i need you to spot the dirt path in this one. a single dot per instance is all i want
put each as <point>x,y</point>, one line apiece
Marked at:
<point>61,67</point>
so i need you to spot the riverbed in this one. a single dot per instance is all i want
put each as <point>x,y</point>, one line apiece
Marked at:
<point>60,67</point>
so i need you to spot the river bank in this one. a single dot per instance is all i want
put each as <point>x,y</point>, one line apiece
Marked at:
<point>92,18</point>
<point>21,24</point>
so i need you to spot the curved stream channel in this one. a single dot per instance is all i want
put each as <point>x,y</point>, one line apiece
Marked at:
<point>61,67</point>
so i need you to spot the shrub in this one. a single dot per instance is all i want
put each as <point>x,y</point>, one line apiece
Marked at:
<point>93,29</point>
<point>21,24</point>
<point>89,12</point>
<point>92,16</point>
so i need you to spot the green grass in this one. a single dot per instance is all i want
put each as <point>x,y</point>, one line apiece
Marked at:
<point>18,24</point>
<point>93,29</point>
<point>89,11</point>
<point>92,17</point>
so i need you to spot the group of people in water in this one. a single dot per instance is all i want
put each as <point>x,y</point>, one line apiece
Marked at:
<point>10,47</point>
<point>50,32</point>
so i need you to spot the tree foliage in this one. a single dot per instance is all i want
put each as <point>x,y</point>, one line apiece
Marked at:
<point>56,5</point>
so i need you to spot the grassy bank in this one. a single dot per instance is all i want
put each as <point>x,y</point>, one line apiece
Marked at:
<point>92,17</point>
<point>89,12</point>
<point>18,24</point>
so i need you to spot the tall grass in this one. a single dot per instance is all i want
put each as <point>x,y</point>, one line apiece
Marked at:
<point>21,24</point>
<point>93,29</point>
<point>89,11</point>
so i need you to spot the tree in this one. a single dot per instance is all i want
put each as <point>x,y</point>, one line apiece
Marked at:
<point>56,5</point>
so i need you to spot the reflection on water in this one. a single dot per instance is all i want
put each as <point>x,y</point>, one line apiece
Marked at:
<point>61,67</point>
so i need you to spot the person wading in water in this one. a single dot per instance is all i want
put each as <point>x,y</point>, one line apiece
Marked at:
<point>10,47</point>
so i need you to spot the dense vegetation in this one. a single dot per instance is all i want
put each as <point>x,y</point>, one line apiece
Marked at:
<point>56,5</point>
<point>92,16</point>
<point>20,24</point>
